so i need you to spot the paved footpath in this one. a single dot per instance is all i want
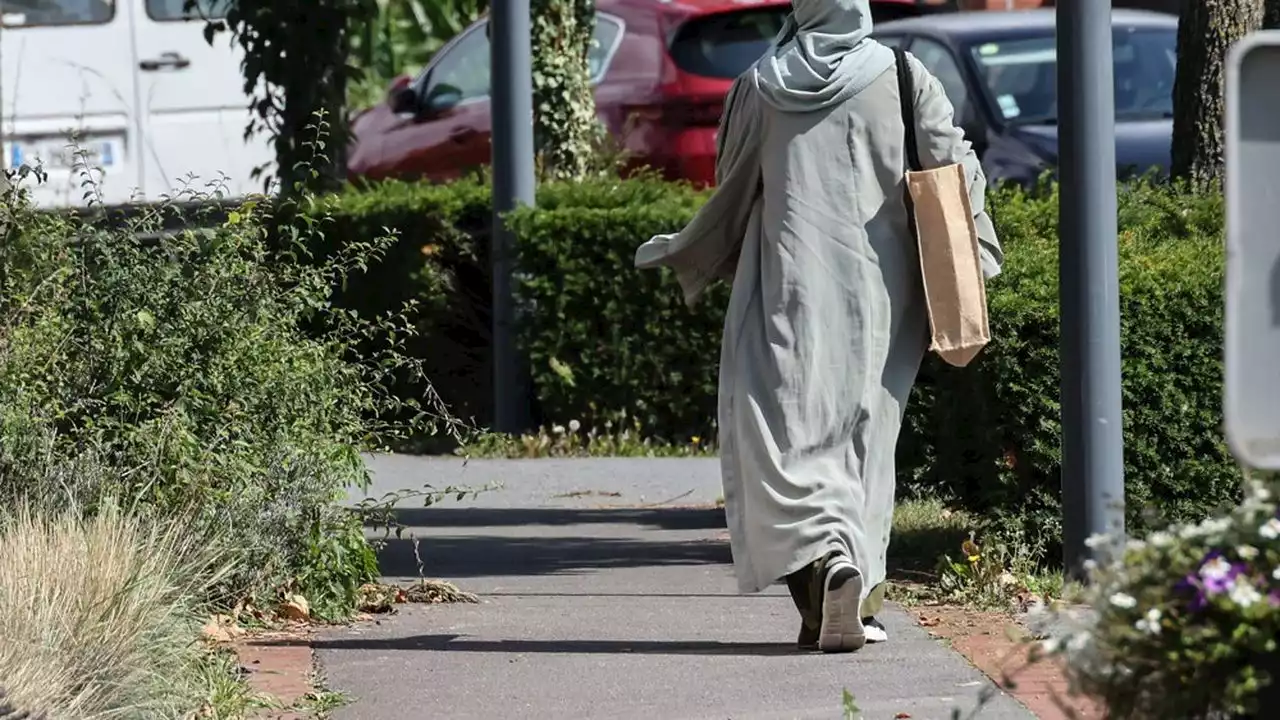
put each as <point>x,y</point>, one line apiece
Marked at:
<point>611,612</point>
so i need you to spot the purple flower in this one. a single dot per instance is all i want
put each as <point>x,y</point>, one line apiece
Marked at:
<point>1273,597</point>
<point>1217,574</point>
<point>1190,585</point>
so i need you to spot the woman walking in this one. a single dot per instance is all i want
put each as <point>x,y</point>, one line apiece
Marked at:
<point>827,324</point>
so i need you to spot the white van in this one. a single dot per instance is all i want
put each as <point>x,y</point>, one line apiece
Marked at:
<point>151,102</point>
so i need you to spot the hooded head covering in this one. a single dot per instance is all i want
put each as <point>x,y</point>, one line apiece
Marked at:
<point>823,56</point>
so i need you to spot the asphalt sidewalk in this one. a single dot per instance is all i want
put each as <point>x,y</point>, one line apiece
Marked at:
<point>594,612</point>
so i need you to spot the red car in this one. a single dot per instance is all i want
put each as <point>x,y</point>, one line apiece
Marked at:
<point>661,69</point>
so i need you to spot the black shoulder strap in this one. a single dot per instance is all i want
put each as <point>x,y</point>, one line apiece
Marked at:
<point>907,95</point>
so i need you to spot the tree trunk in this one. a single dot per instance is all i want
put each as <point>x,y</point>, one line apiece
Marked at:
<point>1206,32</point>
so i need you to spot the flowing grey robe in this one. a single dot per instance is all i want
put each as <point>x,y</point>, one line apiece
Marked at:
<point>826,325</point>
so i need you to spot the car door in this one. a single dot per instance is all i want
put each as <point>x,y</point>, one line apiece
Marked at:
<point>450,133</point>
<point>194,109</point>
<point>67,70</point>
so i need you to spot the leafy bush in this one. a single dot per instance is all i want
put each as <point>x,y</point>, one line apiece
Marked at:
<point>602,339</point>
<point>1185,624</point>
<point>197,371</point>
<point>101,617</point>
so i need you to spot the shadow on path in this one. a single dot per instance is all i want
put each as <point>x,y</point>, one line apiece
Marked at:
<point>467,556</point>
<point>670,518</point>
<point>453,643</point>
<point>562,541</point>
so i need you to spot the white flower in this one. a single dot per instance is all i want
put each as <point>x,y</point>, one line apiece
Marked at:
<point>1216,569</point>
<point>1243,593</point>
<point>1134,545</point>
<point>1096,541</point>
<point>1124,601</point>
<point>574,426</point>
<point>1078,642</point>
<point>557,429</point>
<point>1275,574</point>
<point>1208,528</point>
<point>1150,623</point>
<point>1160,539</point>
<point>1270,530</point>
<point>1247,552</point>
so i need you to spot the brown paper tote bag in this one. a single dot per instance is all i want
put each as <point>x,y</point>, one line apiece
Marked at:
<point>942,219</point>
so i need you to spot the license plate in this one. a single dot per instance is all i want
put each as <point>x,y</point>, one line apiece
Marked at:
<point>60,154</point>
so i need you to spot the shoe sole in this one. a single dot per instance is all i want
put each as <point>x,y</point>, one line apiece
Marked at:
<point>842,629</point>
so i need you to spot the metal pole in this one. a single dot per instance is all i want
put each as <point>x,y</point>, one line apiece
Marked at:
<point>1092,436</point>
<point>511,111</point>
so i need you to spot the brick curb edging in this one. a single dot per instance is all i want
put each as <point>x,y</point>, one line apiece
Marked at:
<point>984,640</point>
<point>280,666</point>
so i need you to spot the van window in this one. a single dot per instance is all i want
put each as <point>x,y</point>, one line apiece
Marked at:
<point>46,13</point>
<point>169,10</point>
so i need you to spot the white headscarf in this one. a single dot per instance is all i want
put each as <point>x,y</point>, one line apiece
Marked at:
<point>823,56</point>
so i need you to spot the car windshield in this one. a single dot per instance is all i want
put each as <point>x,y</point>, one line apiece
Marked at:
<point>1022,78</point>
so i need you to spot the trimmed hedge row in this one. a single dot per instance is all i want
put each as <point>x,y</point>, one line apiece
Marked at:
<point>602,338</point>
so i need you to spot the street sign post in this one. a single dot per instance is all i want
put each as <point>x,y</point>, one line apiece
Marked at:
<point>1089,294</point>
<point>1252,401</point>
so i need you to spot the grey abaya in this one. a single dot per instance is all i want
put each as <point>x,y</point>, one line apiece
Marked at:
<point>826,326</point>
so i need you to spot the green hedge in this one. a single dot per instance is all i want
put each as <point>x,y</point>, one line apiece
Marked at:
<point>602,338</point>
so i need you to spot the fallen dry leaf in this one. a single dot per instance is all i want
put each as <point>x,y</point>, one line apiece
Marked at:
<point>215,633</point>
<point>295,607</point>
<point>221,629</point>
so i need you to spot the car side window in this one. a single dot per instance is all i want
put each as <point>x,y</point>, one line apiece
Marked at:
<point>464,67</point>
<point>939,61</point>
<point>605,41</point>
<point>892,41</point>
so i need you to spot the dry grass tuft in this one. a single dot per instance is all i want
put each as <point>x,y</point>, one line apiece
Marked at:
<point>99,615</point>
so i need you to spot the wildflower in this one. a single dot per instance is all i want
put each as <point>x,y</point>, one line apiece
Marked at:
<point>1208,528</point>
<point>1247,552</point>
<point>1270,530</point>
<point>1275,574</point>
<point>1150,623</point>
<point>557,429</point>
<point>1123,601</point>
<point>970,549</point>
<point>1217,573</point>
<point>696,439</point>
<point>1274,598</point>
<point>1078,642</point>
<point>1160,539</point>
<point>1243,593</point>
<point>574,426</point>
